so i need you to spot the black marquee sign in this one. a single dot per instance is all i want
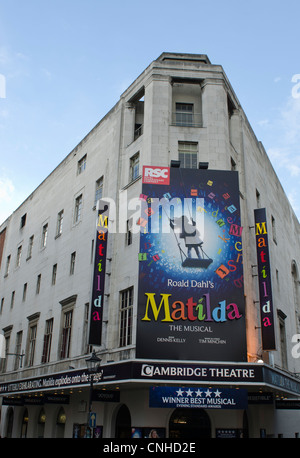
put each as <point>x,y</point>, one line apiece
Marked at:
<point>264,280</point>
<point>96,315</point>
<point>149,371</point>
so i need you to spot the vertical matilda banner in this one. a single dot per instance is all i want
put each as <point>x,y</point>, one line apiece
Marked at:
<point>96,313</point>
<point>264,280</point>
<point>191,295</point>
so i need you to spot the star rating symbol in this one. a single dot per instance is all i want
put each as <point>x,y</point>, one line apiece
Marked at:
<point>198,393</point>
<point>179,392</point>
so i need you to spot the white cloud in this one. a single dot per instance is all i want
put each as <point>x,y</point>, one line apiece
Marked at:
<point>264,122</point>
<point>47,74</point>
<point>291,121</point>
<point>6,189</point>
<point>284,147</point>
<point>286,158</point>
<point>286,135</point>
<point>4,55</point>
<point>4,114</point>
<point>294,169</point>
<point>293,197</point>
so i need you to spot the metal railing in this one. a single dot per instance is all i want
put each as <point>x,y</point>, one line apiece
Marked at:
<point>138,132</point>
<point>186,119</point>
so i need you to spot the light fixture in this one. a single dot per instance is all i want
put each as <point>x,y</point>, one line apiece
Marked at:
<point>175,163</point>
<point>93,362</point>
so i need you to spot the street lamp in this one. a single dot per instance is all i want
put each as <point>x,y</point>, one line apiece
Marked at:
<point>93,365</point>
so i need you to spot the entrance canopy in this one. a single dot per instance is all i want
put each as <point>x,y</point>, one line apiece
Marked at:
<point>252,376</point>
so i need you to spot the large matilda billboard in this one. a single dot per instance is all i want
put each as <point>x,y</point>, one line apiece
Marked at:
<point>191,295</point>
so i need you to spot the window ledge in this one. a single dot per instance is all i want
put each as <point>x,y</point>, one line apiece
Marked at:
<point>197,126</point>
<point>132,182</point>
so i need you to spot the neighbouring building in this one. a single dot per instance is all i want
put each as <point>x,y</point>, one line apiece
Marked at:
<point>164,243</point>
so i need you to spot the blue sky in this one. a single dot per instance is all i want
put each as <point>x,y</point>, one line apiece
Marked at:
<point>64,64</point>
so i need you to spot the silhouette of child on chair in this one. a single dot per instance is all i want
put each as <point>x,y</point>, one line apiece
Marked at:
<point>191,235</point>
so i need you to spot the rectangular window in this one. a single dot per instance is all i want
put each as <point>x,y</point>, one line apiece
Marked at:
<point>3,362</point>
<point>2,304</point>
<point>92,251</point>
<point>78,208</point>
<point>2,242</point>
<point>273,229</point>
<point>138,105</point>
<point>44,235</point>
<point>188,154</point>
<point>38,284</point>
<point>257,199</point>
<point>277,280</point>
<point>129,233</point>
<point>86,347</point>
<point>30,246</point>
<point>12,299</point>
<point>99,190</point>
<point>31,344</point>
<point>24,292</point>
<point>184,114</point>
<point>17,361</point>
<point>282,335</point>
<point>54,272</point>
<point>134,167</point>
<point>126,310</point>
<point>59,224</point>
<point>7,265</point>
<point>233,164</point>
<point>72,263</point>
<point>23,221</point>
<point>81,165</point>
<point>47,341</point>
<point>66,334</point>
<point>19,254</point>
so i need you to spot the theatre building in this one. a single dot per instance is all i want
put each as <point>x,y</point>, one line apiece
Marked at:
<point>163,251</point>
